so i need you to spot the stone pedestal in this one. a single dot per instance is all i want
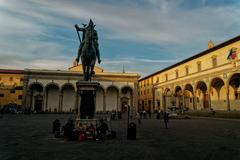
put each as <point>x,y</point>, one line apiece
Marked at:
<point>87,91</point>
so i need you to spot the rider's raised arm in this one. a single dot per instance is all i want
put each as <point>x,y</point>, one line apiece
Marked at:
<point>78,28</point>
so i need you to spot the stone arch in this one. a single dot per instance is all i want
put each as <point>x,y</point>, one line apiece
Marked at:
<point>53,84</point>
<point>126,98</point>
<point>178,101</point>
<point>36,84</point>
<point>167,91</point>
<point>114,86</point>
<point>35,97</point>
<point>234,91</point>
<point>188,96</point>
<point>231,76</point>
<point>112,96</point>
<point>68,84</point>
<point>68,98</point>
<point>217,92</point>
<point>52,91</point>
<point>100,98</point>
<point>203,100</point>
<point>167,98</point>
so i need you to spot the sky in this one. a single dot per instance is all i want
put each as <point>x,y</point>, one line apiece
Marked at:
<point>143,36</point>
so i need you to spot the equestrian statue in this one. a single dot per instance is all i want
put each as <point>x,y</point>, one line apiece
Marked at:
<point>88,49</point>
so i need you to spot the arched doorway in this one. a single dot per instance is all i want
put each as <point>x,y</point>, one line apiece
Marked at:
<point>126,98</point>
<point>167,98</point>
<point>35,97</point>
<point>202,95</point>
<point>112,98</point>
<point>124,103</point>
<point>189,97</point>
<point>52,95</point>
<point>38,101</point>
<point>68,98</point>
<point>178,97</point>
<point>234,91</point>
<point>100,99</point>
<point>218,94</point>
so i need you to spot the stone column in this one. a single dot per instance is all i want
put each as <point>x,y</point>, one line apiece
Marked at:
<point>118,101</point>
<point>183,103</point>
<point>104,101</point>
<point>76,102</point>
<point>227,98</point>
<point>31,101</point>
<point>194,101</point>
<point>209,98</point>
<point>46,100</point>
<point>135,97</point>
<point>164,102</point>
<point>60,102</point>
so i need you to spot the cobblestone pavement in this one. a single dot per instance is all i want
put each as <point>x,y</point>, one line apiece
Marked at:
<point>28,137</point>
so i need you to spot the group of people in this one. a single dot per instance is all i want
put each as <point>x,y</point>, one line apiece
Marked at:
<point>142,115</point>
<point>83,132</point>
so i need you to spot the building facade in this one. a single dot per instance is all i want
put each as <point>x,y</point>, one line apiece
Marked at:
<point>208,80</point>
<point>11,87</point>
<point>55,90</point>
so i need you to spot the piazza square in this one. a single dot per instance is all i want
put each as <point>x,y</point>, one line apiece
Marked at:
<point>119,80</point>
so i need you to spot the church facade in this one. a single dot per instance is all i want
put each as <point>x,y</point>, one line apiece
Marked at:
<point>55,90</point>
<point>208,80</point>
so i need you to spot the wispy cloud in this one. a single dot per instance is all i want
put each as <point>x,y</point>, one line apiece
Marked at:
<point>40,34</point>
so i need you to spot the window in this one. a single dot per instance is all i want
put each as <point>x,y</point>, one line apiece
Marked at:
<point>187,70</point>
<point>166,76</point>
<point>214,61</point>
<point>1,95</point>
<point>199,66</point>
<point>10,78</point>
<point>176,73</point>
<point>19,96</point>
<point>0,78</point>
<point>12,91</point>
<point>157,80</point>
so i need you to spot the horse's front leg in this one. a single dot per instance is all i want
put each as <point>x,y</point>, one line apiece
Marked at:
<point>92,66</point>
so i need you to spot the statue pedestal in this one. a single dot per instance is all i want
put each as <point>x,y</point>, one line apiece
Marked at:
<point>87,91</point>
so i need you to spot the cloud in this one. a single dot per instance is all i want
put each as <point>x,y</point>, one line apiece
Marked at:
<point>40,33</point>
<point>167,23</point>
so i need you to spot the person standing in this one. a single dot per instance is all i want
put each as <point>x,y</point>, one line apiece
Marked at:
<point>166,118</point>
<point>138,118</point>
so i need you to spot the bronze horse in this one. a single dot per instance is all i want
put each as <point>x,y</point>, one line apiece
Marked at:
<point>88,51</point>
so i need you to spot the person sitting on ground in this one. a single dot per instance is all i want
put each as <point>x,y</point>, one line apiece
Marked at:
<point>102,129</point>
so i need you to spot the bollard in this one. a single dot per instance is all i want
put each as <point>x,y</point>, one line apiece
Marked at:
<point>132,129</point>
<point>56,126</point>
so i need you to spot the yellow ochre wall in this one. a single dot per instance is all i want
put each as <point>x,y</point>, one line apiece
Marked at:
<point>11,84</point>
